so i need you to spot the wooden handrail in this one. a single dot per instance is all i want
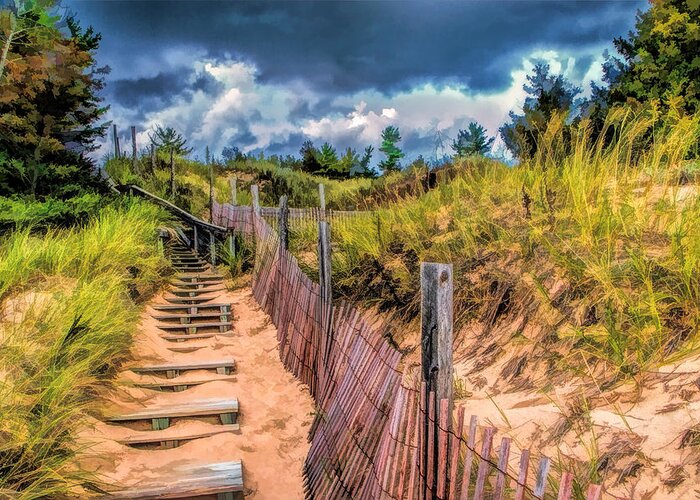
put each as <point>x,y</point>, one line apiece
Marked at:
<point>177,211</point>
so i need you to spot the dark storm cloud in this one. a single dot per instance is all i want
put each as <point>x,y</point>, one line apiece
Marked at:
<point>341,47</point>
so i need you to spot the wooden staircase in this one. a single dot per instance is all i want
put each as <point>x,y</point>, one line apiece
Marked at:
<point>192,312</point>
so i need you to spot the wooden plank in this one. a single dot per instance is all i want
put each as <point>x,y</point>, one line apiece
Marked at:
<point>178,383</point>
<point>541,479</point>
<point>175,307</point>
<point>193,326</point>
<point>197,291</point>
<point>566,485</point>
<point>484,465</point>
<point>502,472</point>
<point>188,481</point>
<point>188,300</point>
<point>199,277</point>
<point>194,336</point>
<point>430,466</point>
<point>201,315</point>
<point>283,223</point>
<point>522,475</point>
<point>147,437</point>
<point>455,442</point>
<point>468,459</point>
<point>207,365</point>
<point>194,408</point>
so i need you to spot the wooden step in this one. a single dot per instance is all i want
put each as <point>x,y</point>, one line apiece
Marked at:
<point>198,277</point>
<point>189,481</point>
<point>197,290</point>
<point>168,440</point>
<point>192,307</point>
<point>225,409</point>
<point>185,316</point>
<point>185,348</point>
<point>188,300</point>
<point>223,326</point>
<point>203,285</point>
<point>177,385</point>
<point>223,366</point>
<point>193,336</point>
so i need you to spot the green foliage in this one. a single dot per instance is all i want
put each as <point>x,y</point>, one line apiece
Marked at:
<point>660,59</point>
<point>73,298</point>
<point>310,158</point>
<point>472,141</point>
<point>49,88</point>
<point>390,138</point>
<point>51,212</point>
<point>167,139</point>
<point>547,96</point>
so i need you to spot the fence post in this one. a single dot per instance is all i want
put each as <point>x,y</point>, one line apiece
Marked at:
<point>153,157</point>
<point>117,153</point>
<point>172,174</point>
<point>322,197</point>
<point>324,280</point>
<point>256,198</point>
<point>283,223</point>
<point>234,195</point>
<point>211,192</point>
<point>436,352</point>
<point>212,247</point>
<point>232,244</point>
<point>195,241</point>
<point>133,148</point>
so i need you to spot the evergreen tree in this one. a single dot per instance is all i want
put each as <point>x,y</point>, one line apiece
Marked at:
<point>390,137</point>
<point>167,139</point>
<point>309,158</point>
<point>50,109</point>
<point>473,141</point>
<point>547,94</point>
<point>661,58</point>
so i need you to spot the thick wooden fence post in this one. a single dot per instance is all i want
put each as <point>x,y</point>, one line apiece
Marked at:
<point>153,157</point>
<point>324,280</point>
<point>117,153</point>
<point>172,174</point>
<point>436,357</point>
<point>256,198</point>
<point>195,239</point>
<point>234,195</point>
<point>283,223</point>
<point>133,149</point>
<point>212,248</point>
<point>322,198</point>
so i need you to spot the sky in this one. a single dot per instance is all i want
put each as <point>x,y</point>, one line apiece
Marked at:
<point>265,76</point>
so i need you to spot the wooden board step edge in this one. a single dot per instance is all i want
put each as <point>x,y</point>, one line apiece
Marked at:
<point>188,481</point>
<point>196,290</point>
<point>170,441</point>
<point>205,365</point>
<point>193,408</point>
<point>174,307</point>
<point>180,385</point>
<point>188,326</point>
<point>200,276</point>
<point>202,315</point>
<point>194,336</point>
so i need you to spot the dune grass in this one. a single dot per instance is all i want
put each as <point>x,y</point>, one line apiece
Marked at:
<point>70,301</point>
<point>617,222</point>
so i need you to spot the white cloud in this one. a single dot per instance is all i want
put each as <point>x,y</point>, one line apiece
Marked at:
<point>245,103</point>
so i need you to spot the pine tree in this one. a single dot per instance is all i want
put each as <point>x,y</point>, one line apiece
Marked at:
<point>472,141</point>
<point>390,137</point>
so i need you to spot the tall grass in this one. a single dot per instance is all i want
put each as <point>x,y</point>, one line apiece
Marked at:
<point>69,306</point>
<point>616,220</point>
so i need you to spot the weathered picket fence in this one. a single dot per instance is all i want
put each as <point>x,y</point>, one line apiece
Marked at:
<point>380,430</point>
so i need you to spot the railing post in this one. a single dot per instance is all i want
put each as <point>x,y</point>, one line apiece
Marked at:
<point>436,354</point>
<point>195,240</point>
<point>234,194</point>
<point>133,149</point>
<point>211,192</point>
<point>172,174</point>
<point>212,248</point>
<point>232,244</point>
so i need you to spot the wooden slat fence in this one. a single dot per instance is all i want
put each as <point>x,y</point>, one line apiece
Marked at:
<point>367,441</point>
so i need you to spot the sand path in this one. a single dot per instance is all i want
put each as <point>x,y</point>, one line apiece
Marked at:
<point>275,409</point>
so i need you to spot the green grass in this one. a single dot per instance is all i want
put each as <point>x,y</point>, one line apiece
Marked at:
<point>70,301</point>
<point>615,222</point>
